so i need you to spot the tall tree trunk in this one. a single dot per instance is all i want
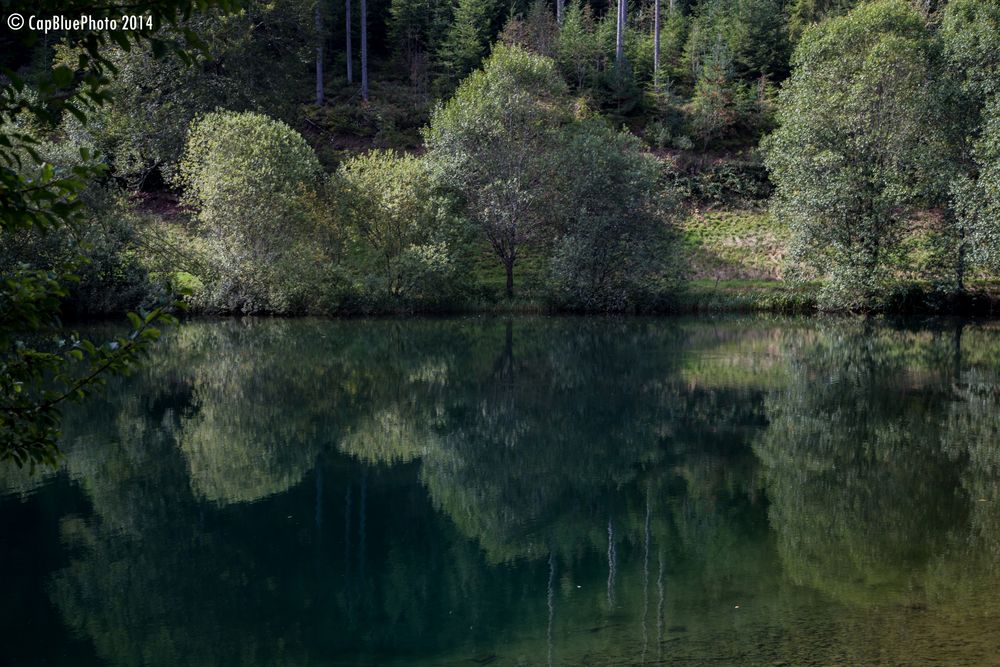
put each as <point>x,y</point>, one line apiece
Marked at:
<point>960,258</point>
<point>673,6</point>
<point>656,42</point>
<point>364,50</point>
<point>560,4</point>
<point>620,34</point>
<point>319,55</point>
<point>347,30</point>
<point>509,266</point>
<point>960,268</point>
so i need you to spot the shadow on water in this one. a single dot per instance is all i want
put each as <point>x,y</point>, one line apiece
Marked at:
<point>530,491</point>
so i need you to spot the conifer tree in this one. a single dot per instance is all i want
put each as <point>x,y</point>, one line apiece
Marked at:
<point>468,38</point>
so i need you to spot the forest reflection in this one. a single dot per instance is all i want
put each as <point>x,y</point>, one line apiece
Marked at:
<point>535,490</point>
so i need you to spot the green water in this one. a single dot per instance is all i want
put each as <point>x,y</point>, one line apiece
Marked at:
<point>521,492</point>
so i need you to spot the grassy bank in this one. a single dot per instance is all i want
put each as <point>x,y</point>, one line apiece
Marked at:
<point>736,263</point>
<point>734,245</point>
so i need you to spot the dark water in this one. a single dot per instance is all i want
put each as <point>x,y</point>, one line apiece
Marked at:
<point>526,492</point>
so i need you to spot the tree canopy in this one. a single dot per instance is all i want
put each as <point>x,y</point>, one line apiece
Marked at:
<point>858,146</point>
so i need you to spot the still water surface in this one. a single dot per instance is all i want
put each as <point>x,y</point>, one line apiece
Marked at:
<point>521,492</point>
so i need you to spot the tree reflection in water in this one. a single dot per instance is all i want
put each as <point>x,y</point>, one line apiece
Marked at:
<point>536,490</point>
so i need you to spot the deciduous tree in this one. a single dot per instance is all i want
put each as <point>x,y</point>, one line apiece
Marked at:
<point>409,239</point>
<point>248,178</point>
<point>611,252</point>
<point>493,143</point>
<point>970,35</point>
<point>858,146</point>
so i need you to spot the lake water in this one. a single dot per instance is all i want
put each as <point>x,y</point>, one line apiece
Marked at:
<point>535,491</point>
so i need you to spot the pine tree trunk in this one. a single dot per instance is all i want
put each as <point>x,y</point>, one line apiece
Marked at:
<point>960,269</point>
<point>960,258</point>
<point>656,42</point>
<point>319,55</point>
<point>347,30</point>
<point>364,50</point>
<point>620,36</point>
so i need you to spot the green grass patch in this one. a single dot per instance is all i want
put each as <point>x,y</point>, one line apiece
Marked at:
<point>748,296</point>
<point>490,278</point>
<point>734,245</point>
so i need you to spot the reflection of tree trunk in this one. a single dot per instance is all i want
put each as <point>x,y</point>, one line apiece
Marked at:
<point>362,512</point>
<point>503,367</point>
<point>612,562</point>
<point>508,343</point>
<point>552,599</point>
<point>659,607</point>
<point>348,583</point>
<point>957,353</point>
<point>501,386</point>
<point>318,520</point>
<point>318,510</point>
<point>645,579</point>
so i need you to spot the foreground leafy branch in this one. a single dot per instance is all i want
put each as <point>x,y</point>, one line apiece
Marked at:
<point>41,367</point>
<point>38,375</point>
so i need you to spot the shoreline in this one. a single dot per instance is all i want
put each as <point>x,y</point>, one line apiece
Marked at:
<point>701,298</point>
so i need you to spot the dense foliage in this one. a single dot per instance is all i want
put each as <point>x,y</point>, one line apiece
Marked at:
<point>408,246</point>
<point>970,35</point>
<point>249,178</point>
<point>251,60</point>
<point>613,248</point>
<point>858,145</point>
